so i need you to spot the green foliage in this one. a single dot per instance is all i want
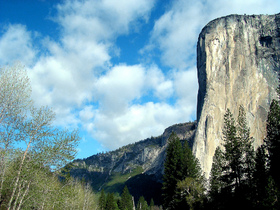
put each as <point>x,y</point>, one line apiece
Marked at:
<point>192,190</point>
<point>273,140</point>
<point>110,202</point>
<point>240,175</point>
<point>216,182</point>
<point>116,182</point>
<point>152,203</point>
<point>126,202</point>
<point>173,167</point>
<point>29,175</point>
<point>239,153</point>
<point>233,153</point>
<point>142,204</point>
<point>102,200</point>
<point>191,166</point>
<point>183,184</point>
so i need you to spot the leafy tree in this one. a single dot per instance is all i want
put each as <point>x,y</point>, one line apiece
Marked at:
<point>173,167</point>
<point>192,190</point>
<point>183,184</point>
<point>15,100</point>
<point>239,152</point>
<point>46,147</point>
<point>126,202</point>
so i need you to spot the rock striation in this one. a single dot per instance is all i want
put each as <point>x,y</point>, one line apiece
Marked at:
<point>237,63</point>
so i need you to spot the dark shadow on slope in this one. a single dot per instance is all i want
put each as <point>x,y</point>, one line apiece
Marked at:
<point>147,186</point>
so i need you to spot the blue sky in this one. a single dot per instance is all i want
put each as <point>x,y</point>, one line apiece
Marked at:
<point>119,71</point>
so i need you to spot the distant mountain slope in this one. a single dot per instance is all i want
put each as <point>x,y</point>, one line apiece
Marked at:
<point>138,165</point>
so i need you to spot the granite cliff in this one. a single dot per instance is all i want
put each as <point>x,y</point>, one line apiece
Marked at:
<point>237,64</point>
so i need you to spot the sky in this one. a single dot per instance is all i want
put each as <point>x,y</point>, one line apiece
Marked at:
<point>120,71</point>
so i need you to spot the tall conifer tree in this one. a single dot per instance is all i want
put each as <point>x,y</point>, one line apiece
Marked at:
<point>172,171</point>
<point>102,200</point>
<point>216,182</point>
<point>126,202</point>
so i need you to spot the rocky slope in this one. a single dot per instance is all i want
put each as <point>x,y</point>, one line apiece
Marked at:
<point>237,63</point>
<point>143,157</point>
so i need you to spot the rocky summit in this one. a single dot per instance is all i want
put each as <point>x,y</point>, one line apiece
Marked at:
<point>237,64</point>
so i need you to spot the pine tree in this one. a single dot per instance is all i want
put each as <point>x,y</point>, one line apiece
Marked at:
<point>273,140</point>
<point>237,161</point>
<point>190,188</point>
<point>126,202</point>
<point>102,200</point>
<point>248,155</point>
<point>218,191</point>
<point>191,167</point>
<point>232,151</point>
<point>142,204</point>
<point>110,202</point>
<point>260,177</point>
<point>216,182</point>
<point>172,170</point>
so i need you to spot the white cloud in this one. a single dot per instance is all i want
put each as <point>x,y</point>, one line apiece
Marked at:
<point>119,87</point>
<point>16,44</point>
<point>162,86</point>
<point>138,122</point>
<point>65,78</point>
<point>176,32</point>
<point>101,20</point>
<point>119,120</point>
<point>119,103</point>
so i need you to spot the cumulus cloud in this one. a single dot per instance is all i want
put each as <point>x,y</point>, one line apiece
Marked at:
<point>16,44</point>
<point>119,103</point>
<point>65,78</point>
<point>138,122</point>
<point>119,87</point>
<point>176,32</point>
<point>123,117</point>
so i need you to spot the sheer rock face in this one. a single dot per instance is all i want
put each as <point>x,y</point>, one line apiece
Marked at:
<point>237,62</point>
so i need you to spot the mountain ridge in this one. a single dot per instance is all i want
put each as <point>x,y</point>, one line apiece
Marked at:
<point>144,157</point>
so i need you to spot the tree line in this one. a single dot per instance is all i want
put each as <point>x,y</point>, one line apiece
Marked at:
<point>241,177</point>
<point>125,202</point>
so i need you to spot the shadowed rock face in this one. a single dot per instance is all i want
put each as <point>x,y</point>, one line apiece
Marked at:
<point>149,154</point>
<point>237,63</point>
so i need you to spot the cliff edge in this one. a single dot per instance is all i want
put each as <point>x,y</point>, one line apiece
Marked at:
<point>237,63</point>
